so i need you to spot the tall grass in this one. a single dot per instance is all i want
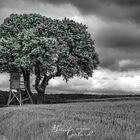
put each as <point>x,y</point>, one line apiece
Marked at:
<point>79,121</point>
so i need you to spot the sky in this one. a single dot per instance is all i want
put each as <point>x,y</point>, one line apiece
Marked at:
<point>115,27</point>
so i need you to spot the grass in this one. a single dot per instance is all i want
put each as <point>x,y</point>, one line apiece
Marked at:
<point>77,121</point>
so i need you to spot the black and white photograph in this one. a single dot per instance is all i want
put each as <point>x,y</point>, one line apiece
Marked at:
<point>69,70</point>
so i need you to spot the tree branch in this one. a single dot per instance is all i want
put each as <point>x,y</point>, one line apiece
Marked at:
<point>58,73</point>
<point>45,80</point>
<point>38,77</point>
<point>26,77</point>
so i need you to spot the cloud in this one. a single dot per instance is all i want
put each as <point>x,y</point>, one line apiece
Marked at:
<point>129,65</point>
<point>4,81</point>
<point>118,10</point>
<point>123,81</point>
<point>124,63</point>
<point>48,10</point>
<point>117,41</point>
<point>103,80</point>
<point>119,36</point>
<point>73,84</point>
<point>114,10</point>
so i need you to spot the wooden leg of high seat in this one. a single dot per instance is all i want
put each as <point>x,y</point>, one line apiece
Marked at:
<point>20,98</point>
<point>9,98</point>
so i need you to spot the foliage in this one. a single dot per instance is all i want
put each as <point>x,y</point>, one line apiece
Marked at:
<point>31,40</point>
<point>23,47</point>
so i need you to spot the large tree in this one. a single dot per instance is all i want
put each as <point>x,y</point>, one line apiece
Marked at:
<point>47,47</point>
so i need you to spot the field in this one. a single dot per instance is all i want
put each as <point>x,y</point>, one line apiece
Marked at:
<point>72,121</point>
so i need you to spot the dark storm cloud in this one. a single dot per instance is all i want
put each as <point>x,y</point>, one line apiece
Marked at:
<point>107,9</point>
<point>2,3</point>
<point>84,6</point>
<point>120,39</point>
<point>123,2</point>
<point>109,62</point>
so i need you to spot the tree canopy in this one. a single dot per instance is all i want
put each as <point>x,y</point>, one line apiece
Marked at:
<point>48,47</point>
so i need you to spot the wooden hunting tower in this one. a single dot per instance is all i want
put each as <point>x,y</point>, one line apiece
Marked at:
<point>17,85</point>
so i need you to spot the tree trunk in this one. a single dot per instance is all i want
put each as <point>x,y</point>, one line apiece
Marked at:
<point>40,86</point>
<point>41,82</point>
<point>40,92</point>
<point>26,77</point>
<point>40,96</point>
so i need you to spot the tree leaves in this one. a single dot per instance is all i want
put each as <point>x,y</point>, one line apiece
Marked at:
<point>55,45</point>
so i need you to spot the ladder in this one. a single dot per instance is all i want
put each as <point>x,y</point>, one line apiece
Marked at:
<point>16,92</point>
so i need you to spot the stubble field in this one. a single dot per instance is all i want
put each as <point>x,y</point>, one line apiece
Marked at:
<point>76,121</point>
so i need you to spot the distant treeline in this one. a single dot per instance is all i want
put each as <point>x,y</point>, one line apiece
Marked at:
<point>67,98</point>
